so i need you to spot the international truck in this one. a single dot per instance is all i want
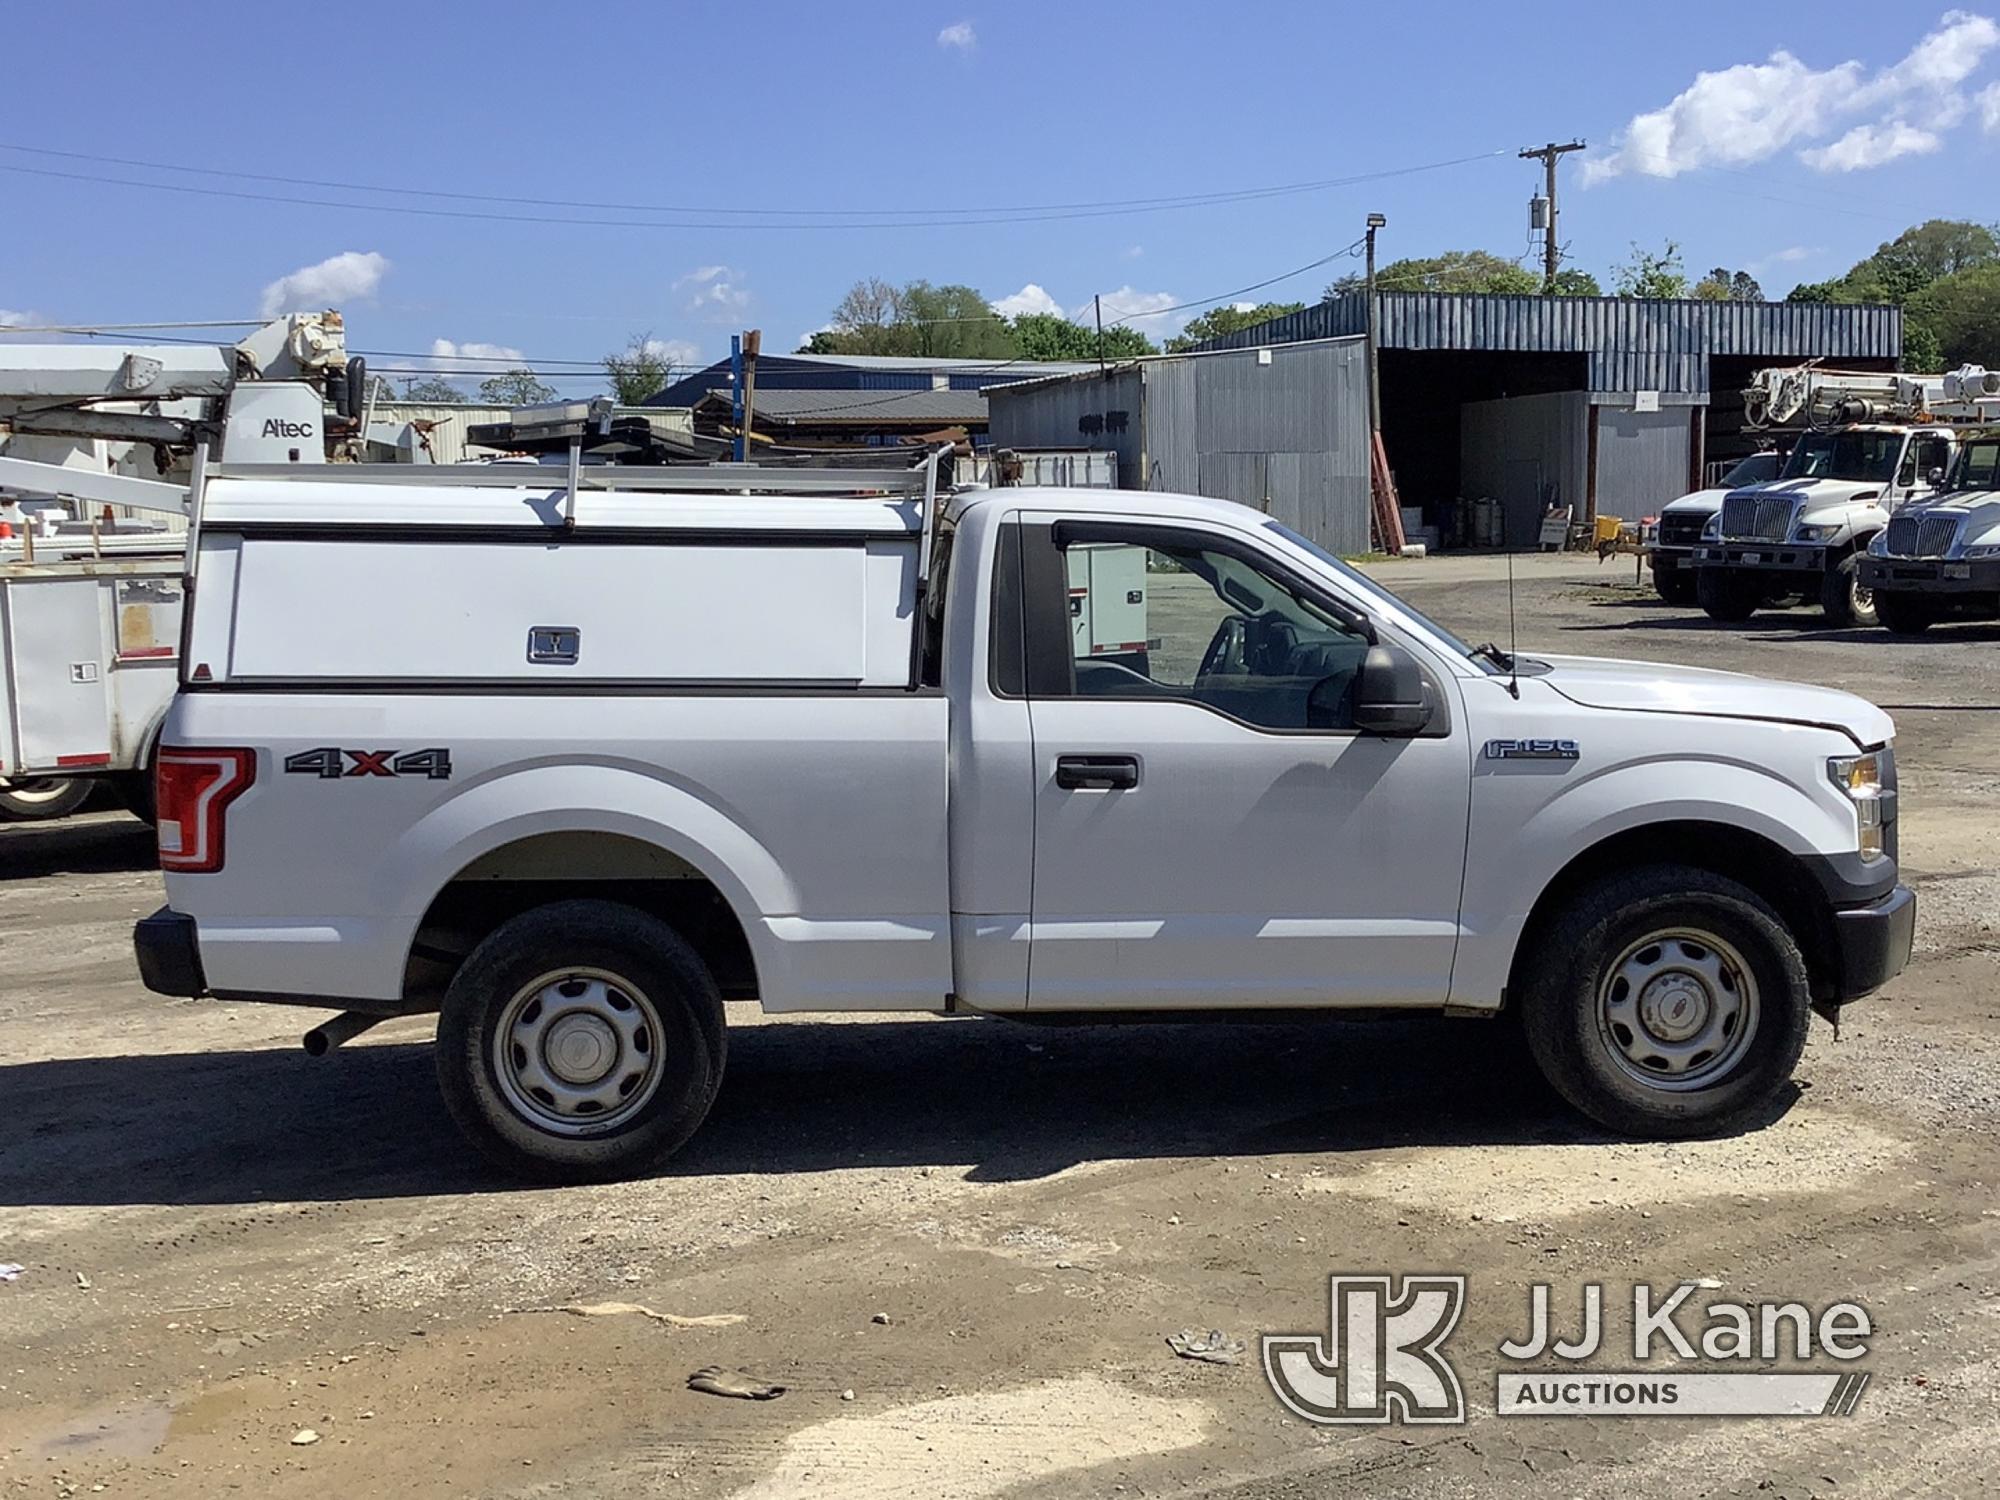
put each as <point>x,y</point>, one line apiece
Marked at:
<point>1874,443</point>
<point>1940,560</point>
<point>573,763</point>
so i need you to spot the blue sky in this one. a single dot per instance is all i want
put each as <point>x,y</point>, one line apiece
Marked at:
<point>1788,140</point>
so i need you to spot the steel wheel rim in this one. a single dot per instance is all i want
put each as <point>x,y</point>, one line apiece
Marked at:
<point>1862,598</point>
<point>1678,1009</point>
<point>41,789</point>
<point>577,1051</point>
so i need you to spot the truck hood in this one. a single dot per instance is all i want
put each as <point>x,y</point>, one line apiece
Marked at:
<point>1815,492</point>
<point>1649,687</point>
<point>1706,502</point>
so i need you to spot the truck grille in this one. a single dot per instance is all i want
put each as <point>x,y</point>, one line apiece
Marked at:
<point>1752,519</point>
<point>1921,536</point>
<point>1681,530</point>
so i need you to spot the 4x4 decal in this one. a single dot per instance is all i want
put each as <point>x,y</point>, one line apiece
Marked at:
<point>331,763</point>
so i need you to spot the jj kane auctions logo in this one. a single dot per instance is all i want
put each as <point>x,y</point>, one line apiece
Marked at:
<point>1382,1358</point>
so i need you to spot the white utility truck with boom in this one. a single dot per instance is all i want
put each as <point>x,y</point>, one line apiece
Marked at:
<point>90,606</point>
<point>1940,560</point>
<point>1873,443</point>
<point>574,761</point>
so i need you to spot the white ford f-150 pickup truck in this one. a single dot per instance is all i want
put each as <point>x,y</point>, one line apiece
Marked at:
<point>574,769</point>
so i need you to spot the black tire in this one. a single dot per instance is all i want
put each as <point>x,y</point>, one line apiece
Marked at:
<point>1675,583</point>
<point>1729,597</point>
<point>1842,597</point>
<point>1904,614</point>
<point>135,790</point>
<point>676,1051</point>
<point>33,799</point>
<point>1571,1025</point>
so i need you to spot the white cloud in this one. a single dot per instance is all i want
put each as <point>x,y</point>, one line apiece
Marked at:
<point>1141,310</point>
<point>1871,146</point>
<point>1791,255</point>
<point>715,290</point>
<point>474,358</point>
<point>18,318</point>
<point>351,276</point>
<point>960,36</point>
<point>1752,111</point>
<point>677,352</point>
<point>1133,252</point>
<point>1988,100</point>
<point>1030,299</point>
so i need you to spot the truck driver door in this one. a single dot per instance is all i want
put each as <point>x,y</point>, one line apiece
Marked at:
<point>1210,828</point>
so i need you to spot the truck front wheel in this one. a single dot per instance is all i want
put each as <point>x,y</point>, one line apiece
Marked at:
<point>1726,596</point>
<point>1674,582</point>
<point>1843,598</point>
<point>1904,614</point>
<point>580,1042</point>
<point>1667,1002</point>
<point>43,797</point>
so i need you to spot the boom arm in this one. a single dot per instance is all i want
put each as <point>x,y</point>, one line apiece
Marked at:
<point>1825,397</point>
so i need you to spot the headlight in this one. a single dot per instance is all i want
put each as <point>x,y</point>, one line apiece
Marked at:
<point>1860,776</point>
<point>1878,544</point>
<point>1982,550</point>
<point>1816,533</point>
<point>1711,531</point>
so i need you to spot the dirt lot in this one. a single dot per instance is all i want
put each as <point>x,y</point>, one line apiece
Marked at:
<point>983,1232</point>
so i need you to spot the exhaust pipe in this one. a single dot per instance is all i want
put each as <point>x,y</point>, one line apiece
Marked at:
<point>344,1027</point>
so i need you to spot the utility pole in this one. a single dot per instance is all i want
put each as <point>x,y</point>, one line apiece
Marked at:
<point>1097,306</point>
<point>753,342</point>
<point>1375,222</point>
<point>1551,252</point>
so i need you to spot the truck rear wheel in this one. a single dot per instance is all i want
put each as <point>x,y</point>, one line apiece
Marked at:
<point>1904,614</point>
<point>43,797</point>
<point>1843,598</point>
<point>580,1042</point>
<point>1667,1001</point>
<point>1726,596</point>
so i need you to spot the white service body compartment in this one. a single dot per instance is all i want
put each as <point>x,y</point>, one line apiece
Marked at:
<point>88,660</point>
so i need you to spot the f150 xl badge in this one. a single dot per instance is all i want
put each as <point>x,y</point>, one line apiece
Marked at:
<point>331,764</point>
<point>1531,750</point>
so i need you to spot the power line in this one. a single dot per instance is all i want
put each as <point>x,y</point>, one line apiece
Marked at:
<point>935,220</point>
<point>1177,201</point>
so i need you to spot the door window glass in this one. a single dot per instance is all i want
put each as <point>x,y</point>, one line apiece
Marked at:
<point>1181,621</point>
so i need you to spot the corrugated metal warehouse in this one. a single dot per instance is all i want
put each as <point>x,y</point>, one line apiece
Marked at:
<point>1284,429</point>
<point>1606,405</point>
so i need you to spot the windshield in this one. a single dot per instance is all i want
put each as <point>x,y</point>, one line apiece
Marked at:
<point>1756,469</point>
<point>1368,588</point>
<point>1846,455</point>
<point>1978,466</point>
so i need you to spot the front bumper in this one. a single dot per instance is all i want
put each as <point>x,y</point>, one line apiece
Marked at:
<point>169,954</point>
<point>1665,557</point>
<point>1772,557</point>
<point>1874,942</point>
<point>1931,575</point>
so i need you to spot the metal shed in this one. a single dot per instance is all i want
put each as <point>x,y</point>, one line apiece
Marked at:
<point>1283,430</point>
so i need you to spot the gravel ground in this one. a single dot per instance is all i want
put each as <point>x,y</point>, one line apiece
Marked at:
<point>961,1244</point>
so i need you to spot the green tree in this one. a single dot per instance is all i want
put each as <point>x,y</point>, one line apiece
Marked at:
<point>1217,321</point>
<point>1958,317</point>
<point>431,388</point>
<point>1572,282</point>
<point>1814,291</point>
<point>1052,336</point>
<point>1652,274</point>
<point>514,388</point>
<point>819,341</point>
<point>639,370</point>
<point>1453,271</point>
<point>938,322</point>
<point>1724,285</point>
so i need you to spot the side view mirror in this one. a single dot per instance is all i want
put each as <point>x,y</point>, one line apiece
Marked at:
<point>1935,478</point>
<point>1389,696</point>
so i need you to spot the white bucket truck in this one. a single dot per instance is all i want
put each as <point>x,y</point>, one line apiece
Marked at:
<point>1941,560</point>
<point>573,762</point>
<point>90,602</point>
<point>1873,443</point>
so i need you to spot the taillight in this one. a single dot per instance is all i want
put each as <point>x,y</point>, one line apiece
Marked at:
<point>192,788</point>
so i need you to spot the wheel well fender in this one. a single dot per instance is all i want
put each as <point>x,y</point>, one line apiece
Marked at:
<point>1750,858</point>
